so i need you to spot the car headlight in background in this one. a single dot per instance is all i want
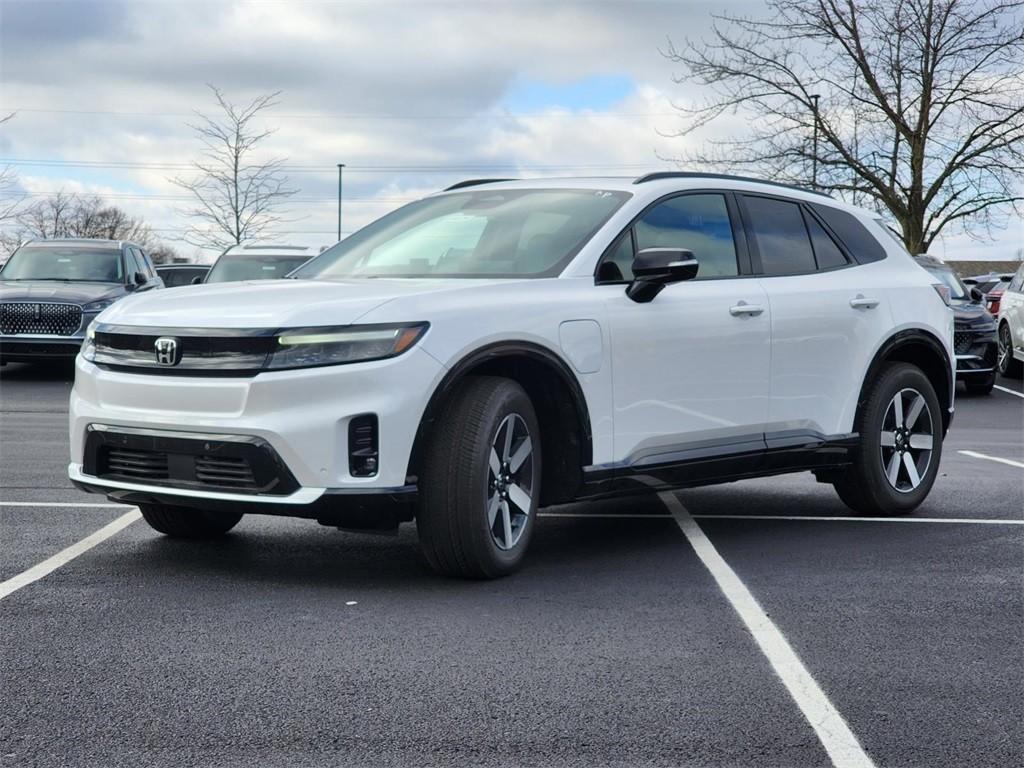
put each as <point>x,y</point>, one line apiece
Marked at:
<point>98,306</point>
<point>309,347</point>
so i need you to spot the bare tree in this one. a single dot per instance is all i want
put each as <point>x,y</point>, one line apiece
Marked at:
<point>68,214</point>
<point>237,197</point>
<point>11,193</point>
<point>915,105</point>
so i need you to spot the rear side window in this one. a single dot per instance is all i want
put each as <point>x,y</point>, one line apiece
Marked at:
<point>826,252</point>
<point>858,241</point>
<point>699,223</point>
<point>781,236</point>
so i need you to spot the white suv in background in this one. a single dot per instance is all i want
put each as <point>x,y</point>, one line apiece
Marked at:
<point>502,346</point>
<point>1010,328</point>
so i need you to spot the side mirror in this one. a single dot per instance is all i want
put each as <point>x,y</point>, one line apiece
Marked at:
<point>197,280</point>
<point>977,296</point>
<point>140,278</point>
<point>654,268</point>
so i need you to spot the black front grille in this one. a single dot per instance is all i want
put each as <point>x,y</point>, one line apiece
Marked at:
<point>200,351</point>
<point>233,471</point>
<point>145,465</point>
<point>962,341</point>
<point>226,463</point>
<point>48,319</point>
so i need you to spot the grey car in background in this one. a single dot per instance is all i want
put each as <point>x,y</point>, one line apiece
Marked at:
<point>50,290</point>
<point>258,262</point>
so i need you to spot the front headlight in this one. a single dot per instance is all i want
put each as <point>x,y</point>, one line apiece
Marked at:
<point>89,345</point>
<point>309,347</point>
<point>98,306</point>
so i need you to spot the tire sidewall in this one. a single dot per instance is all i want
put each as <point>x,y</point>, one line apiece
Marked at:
<point>511,400</point>
<point>893,380</point>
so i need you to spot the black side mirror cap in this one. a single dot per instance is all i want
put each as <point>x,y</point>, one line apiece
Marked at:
<point>140,278</point>
<point>197,280</point>
<point>654,268</point>
<point>977,296</point>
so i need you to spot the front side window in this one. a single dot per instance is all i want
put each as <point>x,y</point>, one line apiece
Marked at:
<point>512,233</point>
<point>957,290</point>
<point>781,236</point>
<point>65,263</point>
<point>698,223</point>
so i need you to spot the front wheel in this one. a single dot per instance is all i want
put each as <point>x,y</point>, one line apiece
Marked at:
<point>900,444</point>
<point>185,523</point>
<point>480,481</point>
<point>1008,366</point>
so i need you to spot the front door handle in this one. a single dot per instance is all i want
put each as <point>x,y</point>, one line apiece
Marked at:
<point>742,308</point>
<point>859,302</point>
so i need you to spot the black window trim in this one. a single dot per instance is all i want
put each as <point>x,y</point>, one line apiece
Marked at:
<point>744,264</point>
<point>806,210</point>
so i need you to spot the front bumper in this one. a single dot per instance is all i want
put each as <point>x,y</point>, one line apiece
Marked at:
<point>976,351</point>
<point>33,348</point>
<point>300,416</point>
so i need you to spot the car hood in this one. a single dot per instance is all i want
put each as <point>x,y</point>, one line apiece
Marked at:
<point>51,290</point>
<point>272,303</point>
<point>969,312</point>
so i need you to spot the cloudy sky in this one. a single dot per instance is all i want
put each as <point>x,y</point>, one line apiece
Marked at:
<point>412,95</point>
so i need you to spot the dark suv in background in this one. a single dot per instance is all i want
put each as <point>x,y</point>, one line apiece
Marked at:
<point>974,329</point>
<point>50,290</point>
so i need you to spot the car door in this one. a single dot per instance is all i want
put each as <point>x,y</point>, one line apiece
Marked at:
<point>828,314</point>
<point>690,368</point>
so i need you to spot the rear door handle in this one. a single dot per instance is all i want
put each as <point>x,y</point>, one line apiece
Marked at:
<point>742,308</point>
<point>859,302</point>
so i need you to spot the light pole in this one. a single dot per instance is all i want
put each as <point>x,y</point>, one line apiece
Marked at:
<point>814,150</point>
<point>340,166</point>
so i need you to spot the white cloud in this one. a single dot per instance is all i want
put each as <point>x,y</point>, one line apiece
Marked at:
<point>432,76</point>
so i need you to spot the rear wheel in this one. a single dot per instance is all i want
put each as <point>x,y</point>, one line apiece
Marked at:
<point>1008,366</point>
<point>185,523</point>
<point>897,458</point>
<point>480,481</point>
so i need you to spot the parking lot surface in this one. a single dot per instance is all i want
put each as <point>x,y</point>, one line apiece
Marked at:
<point>291,644</point>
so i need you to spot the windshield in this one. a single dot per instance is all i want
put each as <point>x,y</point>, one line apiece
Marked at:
<point>247,266</point>
<point>65,263</point>
<point>493,233</point>
<point>957,290</point>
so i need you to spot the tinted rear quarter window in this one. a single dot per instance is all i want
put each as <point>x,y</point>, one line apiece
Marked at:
<point>781,236</point>
<point>858,241</point>
<point>826,252</point>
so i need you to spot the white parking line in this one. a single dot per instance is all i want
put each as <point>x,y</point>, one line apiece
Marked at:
<point>50,564</point>
<point>797,518</point>
<point>1009,391</point>
<point>1008,462</point>
<point>835,735</point>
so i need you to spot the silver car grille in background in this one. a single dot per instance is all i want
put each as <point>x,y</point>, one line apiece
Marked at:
<point>39,318</point>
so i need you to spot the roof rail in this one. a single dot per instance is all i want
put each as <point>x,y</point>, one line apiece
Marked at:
<point>473,183</point>
<point>724,176</point>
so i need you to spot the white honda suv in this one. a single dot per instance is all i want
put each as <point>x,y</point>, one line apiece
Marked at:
<point>506,345</point>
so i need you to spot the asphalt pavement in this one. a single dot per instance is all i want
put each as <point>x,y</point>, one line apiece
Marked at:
<point>291,644</point>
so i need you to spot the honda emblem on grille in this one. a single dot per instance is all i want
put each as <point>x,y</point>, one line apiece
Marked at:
<point>167,352</point>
